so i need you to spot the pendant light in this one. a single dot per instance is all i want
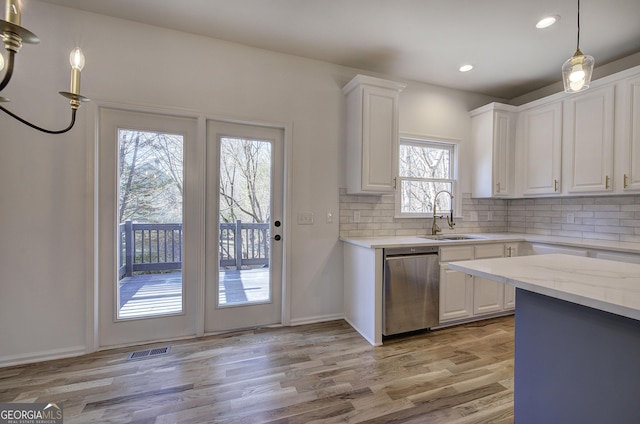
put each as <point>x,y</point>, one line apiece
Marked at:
<point>577,70</point>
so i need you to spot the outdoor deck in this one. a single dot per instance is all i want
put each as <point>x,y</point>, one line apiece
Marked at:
<point>154,294</point>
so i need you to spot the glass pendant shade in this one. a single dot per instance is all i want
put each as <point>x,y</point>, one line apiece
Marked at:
<point>576,72</point>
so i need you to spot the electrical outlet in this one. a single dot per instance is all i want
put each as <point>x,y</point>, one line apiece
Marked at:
<point>329,217</point>
<point>473,216</point>
<point>356,216</point>
<point>490,216</point>
<point>305,218</point>
<point>571,218</point>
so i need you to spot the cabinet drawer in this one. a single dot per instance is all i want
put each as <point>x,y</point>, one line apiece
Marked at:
<point>459,253</point>
<point>489,251</point>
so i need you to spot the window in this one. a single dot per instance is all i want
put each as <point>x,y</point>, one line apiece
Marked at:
<point>425,168</point>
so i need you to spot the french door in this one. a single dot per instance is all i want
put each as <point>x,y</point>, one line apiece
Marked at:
<point>244,226</point>
<point>148,233</point>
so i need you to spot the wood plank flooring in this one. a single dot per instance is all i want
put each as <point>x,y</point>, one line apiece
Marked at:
<point>319,373</point>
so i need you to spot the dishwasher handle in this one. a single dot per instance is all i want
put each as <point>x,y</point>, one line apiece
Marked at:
<point>411,250</point>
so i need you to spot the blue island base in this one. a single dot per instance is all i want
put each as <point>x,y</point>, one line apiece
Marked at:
<point>574,364</point>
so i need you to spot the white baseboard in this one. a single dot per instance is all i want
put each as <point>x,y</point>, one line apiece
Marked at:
<point>313,320</point>
<point>11,360</point>
<point>362,333</point>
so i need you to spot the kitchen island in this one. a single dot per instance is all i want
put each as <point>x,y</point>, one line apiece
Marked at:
<point>577,336</point>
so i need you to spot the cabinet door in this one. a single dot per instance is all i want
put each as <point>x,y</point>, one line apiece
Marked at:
<point>456,295</point>
<point>631,158</point>
<point>510,250</point>
<point>503,154</point>
<point>542,149</point>
<point>589,133</point>
<point>488,296</point>
<point>509,297</point>
<point>493,150</point>
<point>379,139</point>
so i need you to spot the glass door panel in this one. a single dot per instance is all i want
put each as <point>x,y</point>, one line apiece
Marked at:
<point>244,216</point>
<point>150,197</point>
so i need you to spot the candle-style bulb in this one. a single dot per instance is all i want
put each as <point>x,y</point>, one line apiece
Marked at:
<point>76,58</point>
<point>12,12</point>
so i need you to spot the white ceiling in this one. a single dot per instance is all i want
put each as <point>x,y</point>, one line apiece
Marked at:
<point>421,40</point>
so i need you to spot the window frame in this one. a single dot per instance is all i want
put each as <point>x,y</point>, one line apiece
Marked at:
<point>423,141</point>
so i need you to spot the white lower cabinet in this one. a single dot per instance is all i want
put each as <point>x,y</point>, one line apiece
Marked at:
<point>488,296</point>
<point>463,297</point>
<point>510,249</point>
<point>456,288</point>
<point>456,295</point>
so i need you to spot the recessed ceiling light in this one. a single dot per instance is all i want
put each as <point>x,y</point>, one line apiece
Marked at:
<point>466,68</point>
<point>547,21</point>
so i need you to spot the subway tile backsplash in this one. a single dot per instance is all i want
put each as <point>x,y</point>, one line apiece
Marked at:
<point>377,217</point>
<point>614,218</point>
<point>602,218</point>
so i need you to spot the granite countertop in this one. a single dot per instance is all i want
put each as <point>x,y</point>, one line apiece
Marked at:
<point>481,238</point>
<point>605,285</point>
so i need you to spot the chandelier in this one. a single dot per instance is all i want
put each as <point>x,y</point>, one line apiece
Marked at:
<point>13,35</point>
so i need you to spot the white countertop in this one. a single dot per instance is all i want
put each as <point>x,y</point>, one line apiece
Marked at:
<point>605,285</point>
<point>407,241</point>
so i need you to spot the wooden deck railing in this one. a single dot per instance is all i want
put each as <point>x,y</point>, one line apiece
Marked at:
<point>158,247</point>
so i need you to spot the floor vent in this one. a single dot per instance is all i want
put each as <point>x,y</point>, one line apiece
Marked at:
<point>149,353</point>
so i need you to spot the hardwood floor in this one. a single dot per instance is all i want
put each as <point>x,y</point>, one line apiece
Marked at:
<point>320,373</point>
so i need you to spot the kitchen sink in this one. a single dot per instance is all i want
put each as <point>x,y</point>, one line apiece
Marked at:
<point>454,237</point>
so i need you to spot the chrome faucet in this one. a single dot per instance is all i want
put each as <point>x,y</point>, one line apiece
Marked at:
<point>434,227</point>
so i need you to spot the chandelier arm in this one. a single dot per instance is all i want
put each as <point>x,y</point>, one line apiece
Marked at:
<point>9,72</point>
<point>35,127</point>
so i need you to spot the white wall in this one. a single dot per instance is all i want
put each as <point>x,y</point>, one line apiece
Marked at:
<point>46,182</point>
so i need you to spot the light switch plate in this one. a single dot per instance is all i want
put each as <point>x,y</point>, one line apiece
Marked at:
<point>305,218</point>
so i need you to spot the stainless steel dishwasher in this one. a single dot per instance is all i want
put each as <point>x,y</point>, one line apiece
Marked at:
<point>411,289</point>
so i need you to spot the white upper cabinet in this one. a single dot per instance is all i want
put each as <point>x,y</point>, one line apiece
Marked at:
<point>541,143</point>
<point>630,158</point>
<point>372,134</point>
<point>493,146</point>
<point>588,133</point>
<point>566,144</point>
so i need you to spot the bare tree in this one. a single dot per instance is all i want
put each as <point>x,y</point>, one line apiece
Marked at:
<point>245,179</point>
<point>417,164</point>
<point>151,176</point>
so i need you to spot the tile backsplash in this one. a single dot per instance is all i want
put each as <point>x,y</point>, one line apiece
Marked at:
<point>614,218</point>
<point>602,218</point>
<point>377,217</point>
